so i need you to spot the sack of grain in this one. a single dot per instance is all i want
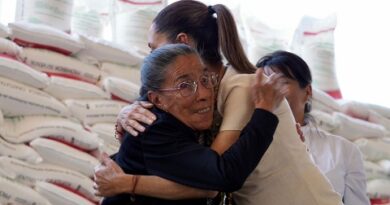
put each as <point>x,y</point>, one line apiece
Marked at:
<point>63,155</point>
<point>46,37</point>
<point>17,99</point>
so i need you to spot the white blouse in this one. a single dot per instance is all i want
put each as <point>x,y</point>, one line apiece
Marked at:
<point>341,162</point>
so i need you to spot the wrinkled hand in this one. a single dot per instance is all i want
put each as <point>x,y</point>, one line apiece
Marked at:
<point>131,116</point>
<point>268,92</point>
<point>109,179</point>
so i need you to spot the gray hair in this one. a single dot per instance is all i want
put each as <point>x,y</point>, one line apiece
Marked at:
<point>155,65</point>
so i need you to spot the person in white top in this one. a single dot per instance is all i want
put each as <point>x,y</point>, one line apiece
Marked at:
<point>339,159</point>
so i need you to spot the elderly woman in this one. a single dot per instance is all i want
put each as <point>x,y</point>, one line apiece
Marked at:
<point>339,159</point>
<point>181,90</point>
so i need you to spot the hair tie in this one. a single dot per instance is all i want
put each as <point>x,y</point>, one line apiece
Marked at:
<point>211,10</point>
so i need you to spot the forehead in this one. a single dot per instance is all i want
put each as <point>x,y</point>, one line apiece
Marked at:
<point>186,66</point>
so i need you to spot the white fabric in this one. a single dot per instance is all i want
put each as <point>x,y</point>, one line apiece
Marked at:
<point>285,174</point>
<point>65,156</point>
<point>59,195</point>
<point>18,71</point>
<point>29,174</point>
<point>121,89</point>
<point>14,193</point>
<point>105,51</point>
<point>340,161</point>
<point>65,88</point>
<point>132,74</point>
<point>17,99</point>
<point>57,64</point>
<point>4,31</point>
<point>41,36</point>
<point>9,47</point>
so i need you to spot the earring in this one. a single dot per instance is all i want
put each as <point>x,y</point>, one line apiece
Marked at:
<point>308,106</point>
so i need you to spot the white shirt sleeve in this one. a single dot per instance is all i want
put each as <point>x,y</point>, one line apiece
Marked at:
<point>355,181</point>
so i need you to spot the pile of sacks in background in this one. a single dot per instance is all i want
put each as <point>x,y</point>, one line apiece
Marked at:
<point>59,98</point>
<point>368,126</point>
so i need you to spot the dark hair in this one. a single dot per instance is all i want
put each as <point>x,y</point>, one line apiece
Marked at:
<point>291,65</point>
<point>155,65</point>
<point>211,34</point>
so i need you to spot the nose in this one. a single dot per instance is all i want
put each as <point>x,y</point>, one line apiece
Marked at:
<point>204,94</point>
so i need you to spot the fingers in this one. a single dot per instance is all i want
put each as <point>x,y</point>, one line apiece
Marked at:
<point>106,160</point>
<point>146,104</point>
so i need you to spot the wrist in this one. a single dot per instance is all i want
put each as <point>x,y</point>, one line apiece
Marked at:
<point>264,105</point>
<point>127,183</point>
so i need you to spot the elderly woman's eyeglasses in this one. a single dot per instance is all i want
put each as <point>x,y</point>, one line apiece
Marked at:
<point>188,88</point>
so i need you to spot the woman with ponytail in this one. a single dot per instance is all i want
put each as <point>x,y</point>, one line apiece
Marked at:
<point>285,168</point>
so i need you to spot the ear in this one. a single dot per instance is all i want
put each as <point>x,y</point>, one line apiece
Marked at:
<point>309,92</point>
<point>183,38</point>
<point>156,99</point>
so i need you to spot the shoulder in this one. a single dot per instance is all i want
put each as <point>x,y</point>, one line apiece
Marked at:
<point>165,124</point>
<point>339,146</point>
<point>232,79</point>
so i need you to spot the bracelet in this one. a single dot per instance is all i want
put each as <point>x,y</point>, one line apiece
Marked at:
<point>135,181</point>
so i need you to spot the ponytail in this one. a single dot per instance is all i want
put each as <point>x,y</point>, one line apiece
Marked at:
<point>229,41</point>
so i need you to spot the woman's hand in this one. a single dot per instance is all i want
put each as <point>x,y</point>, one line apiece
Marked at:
<point>268,92</point>
<point>110,179</point>
<point>131,116</point>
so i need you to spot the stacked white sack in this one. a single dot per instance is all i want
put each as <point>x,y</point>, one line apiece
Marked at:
<point>348,127</point>
<point>18,71</point>
<point>41,36</point>
<point>17,99</point>
<point>120,89</point>
<point>29,174</point>
<point>15,193</point>
<point>66,88</point>
<point>99,50</point>
<point>132,74</point>
<point>65,156</point>
<point>106,133</point>
<point>57,64</point>
<point>9,48</point>
<point>19,151</point>
<point>95,111</point>
<point>53,13</point>
<point>4,31</point>
<point>314,41</point>
<point>58,195</point>
<point>374,149</point>
<point>27,128</point>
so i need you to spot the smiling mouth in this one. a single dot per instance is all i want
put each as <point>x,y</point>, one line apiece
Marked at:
<point>204,110</point>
